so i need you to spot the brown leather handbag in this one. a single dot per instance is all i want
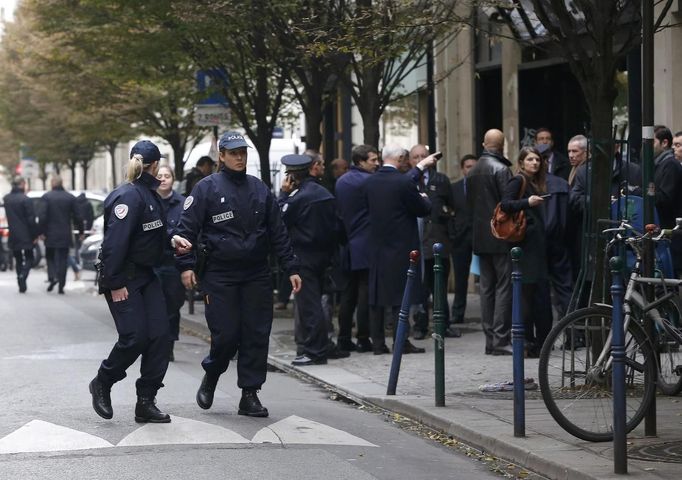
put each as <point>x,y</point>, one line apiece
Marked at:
<point>509,227</point>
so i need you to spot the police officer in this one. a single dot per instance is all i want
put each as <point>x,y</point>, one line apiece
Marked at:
<point>171,284</point>
<point>23,229</point>
<point>237,218</point>
<point>309,212</point>
<point>134,237</point>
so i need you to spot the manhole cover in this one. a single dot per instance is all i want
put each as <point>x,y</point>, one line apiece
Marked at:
<point>669,452</point>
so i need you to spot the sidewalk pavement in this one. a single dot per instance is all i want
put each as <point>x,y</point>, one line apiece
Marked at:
<point>482,420</point>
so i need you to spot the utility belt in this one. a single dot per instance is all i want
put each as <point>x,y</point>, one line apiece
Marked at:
<point>129,269</point>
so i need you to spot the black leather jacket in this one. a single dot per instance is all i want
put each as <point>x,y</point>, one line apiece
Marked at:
<point>485,184</point>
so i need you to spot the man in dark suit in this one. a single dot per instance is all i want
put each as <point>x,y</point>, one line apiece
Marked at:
<point>394,203</point>
<point>432,229</point>
<point>353,211</point>
<point>460,236</point>
<point>61,213</point>
<point>557,163</point>
<point>23,229</point>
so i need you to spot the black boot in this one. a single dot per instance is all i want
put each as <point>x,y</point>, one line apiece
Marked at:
<point>206,391</point>
<point>250,404</point>
<point>147,412</point>
<point>101,398</point>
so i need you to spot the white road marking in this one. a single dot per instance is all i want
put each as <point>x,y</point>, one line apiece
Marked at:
<point>40,436</point>
<point>297,430</point>
<point>181,431</point>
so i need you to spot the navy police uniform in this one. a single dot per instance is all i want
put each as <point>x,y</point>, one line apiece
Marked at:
<point>173,289</point>
<point>237,218</point>
<point>309,213</point>
<point>134,236</point>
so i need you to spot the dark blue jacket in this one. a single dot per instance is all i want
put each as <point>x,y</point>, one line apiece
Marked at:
<point>21,220</point>
<point>352,207</point>
<point>394,203</point>
<point>309,213</point>
<point>61,214</point>
<point>239,221</point>
<point>556,210</point>
<point>172,208</point>
<point>134,231</point>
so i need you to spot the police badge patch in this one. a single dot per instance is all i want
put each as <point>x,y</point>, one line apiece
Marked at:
<point>188,202</point>
<point>121,210</point>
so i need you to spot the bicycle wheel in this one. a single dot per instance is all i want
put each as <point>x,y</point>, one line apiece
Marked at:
<point>668,346</point>
<point>578,393</point>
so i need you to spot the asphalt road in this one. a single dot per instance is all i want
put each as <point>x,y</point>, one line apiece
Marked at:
<point>50,348</point>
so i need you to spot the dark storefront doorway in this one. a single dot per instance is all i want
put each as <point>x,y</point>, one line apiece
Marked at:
<point>488,103</point>
<point>551,97</point>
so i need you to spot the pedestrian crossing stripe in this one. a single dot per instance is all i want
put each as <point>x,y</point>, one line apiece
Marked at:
<point>40,436</point>
<point>181,431</point>
<point>297,430</point>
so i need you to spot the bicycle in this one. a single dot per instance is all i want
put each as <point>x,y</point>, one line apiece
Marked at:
<point>575,361</point>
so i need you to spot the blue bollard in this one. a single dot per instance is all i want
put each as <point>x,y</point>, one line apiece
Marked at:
<point>518,340</point>
<point>403,326</point>
<point>620,452</point>
<point>439,313</point>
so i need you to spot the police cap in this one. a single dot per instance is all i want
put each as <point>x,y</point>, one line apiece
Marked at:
<point>150,152</point>
<point>232,141</point>
<point>295,162</point>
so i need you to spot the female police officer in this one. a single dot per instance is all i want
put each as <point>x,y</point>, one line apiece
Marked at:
<point>134,236</point>
<point>240,223</point>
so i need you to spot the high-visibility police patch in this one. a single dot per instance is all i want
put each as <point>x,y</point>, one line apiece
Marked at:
<point>188,202</point>
<point>222,217</point>
<point>121,210</point>
<point>222,199</point>
<point>285,207</point>
<point>432,188</point>
<point>152,225</point>
<point>293,193</point>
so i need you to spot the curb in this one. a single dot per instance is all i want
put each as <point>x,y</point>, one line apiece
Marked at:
<point>490,443</point>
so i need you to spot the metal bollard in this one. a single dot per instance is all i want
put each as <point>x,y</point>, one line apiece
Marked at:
<point>403,326</point>
<point>439,307</point>
<point>518,339</point>
<point>620,453</point>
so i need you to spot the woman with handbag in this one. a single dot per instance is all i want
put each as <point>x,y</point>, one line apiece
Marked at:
<point>525,193</point>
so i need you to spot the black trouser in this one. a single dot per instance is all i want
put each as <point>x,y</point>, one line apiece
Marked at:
<point>536,310</point>
<point>461,263</point>
<point>310,330</point>
<point>57,263</point>
<point>142,326</point>
<point>284,289</point>
<point>376,323</point>
<point>561,277</point>
<point>239,315</point>
<point>174,293</point>
<point>421,322</point>
<point>356,294</point>
<point>23,262</point>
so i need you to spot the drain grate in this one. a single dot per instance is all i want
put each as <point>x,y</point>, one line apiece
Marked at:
<point>668,452</point>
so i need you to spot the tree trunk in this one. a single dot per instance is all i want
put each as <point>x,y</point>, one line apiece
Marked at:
<point>262,144</point>
<point>313,121</point>
<point>73,175</point>
<point>85,176</point>
<point>602,156</point>
<point>112,153</point>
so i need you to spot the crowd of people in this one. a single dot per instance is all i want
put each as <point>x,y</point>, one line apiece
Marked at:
<point>356,225</point>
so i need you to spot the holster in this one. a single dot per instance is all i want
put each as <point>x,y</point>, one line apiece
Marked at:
<point>202,260</point>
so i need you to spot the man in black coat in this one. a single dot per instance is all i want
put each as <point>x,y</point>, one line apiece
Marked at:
<point>394,203</point>
<point>557,163</point>
<point>204,167</point>
<point>485,184</point>
<point>460,236</point>
<point>433,229</point>
<point>60,216</point>
<point>23,229</point>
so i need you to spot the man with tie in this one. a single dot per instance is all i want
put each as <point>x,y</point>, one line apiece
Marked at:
<point>460,235</point>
